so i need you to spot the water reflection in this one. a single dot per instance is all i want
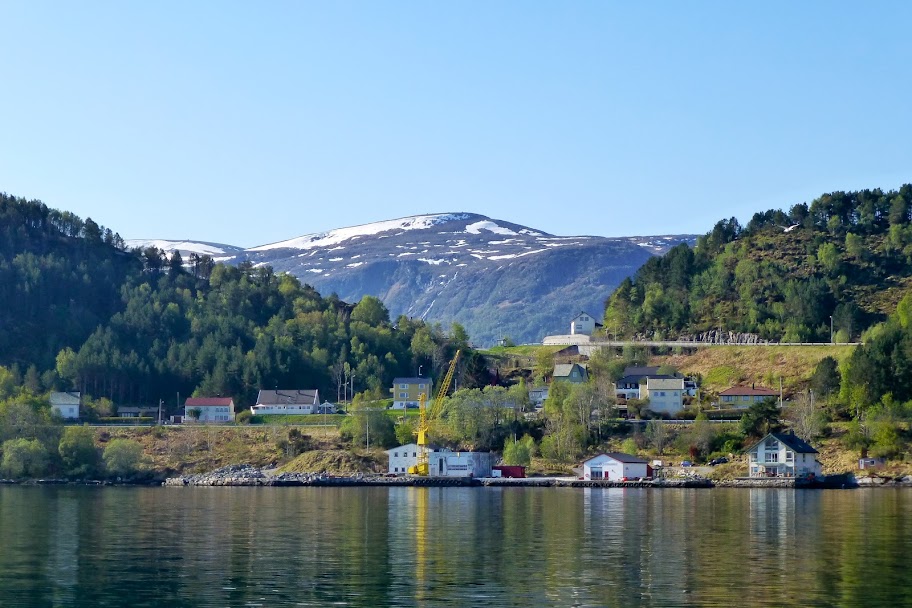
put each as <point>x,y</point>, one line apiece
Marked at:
<point>456,546</point>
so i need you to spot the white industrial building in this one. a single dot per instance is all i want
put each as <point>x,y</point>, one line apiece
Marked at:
<point>441,462</point>
<point>614,466</point>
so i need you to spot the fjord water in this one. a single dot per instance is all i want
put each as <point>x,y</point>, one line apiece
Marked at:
<point>71,546</point>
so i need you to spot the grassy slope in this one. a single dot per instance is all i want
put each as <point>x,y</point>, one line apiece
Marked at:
<point>724,366</point>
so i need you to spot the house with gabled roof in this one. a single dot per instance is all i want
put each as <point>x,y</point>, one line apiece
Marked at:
<point>615,466</point>
<point>570,372</point>
<point>745,396</point>
<point>783,455</point>
<point>209,410</point>
<point>583,324</point>
<point>66,404</point>
<point>286,402</point>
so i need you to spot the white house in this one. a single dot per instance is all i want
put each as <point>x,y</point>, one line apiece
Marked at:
<point>583,324</point>
<point>66,404</point>
<point>783,455</point>
<point>666,395</point>
<point>288,402</point>
<point>614,466</point>
<point>210,410</point>
<point>403,457</point>
<point>538,395</point>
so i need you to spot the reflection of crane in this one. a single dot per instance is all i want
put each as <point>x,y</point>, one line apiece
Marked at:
<point>422,467</point>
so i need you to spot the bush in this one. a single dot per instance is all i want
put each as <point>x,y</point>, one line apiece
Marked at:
<point>244,417</point>
<point>24,458</point>
<point>122,457</point>
<point>78,452</point>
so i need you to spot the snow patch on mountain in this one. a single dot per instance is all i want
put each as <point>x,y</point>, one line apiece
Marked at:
<point>490,226</point>
<point>340,235</point>
<point>185,247</point>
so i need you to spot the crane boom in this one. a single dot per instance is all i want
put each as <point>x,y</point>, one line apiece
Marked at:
<point>422,468</point>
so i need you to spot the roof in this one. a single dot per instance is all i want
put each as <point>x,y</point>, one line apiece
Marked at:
<point>791,441</point>
<point>412,380</point>
<point>665,383</point>
<point>208,401</point>
<point>635,379</point>
<point>749,391</point>
<point>71,398</point>
<point>638,370</point>
<point>562,370</point>
<point>581,313</point>
<point>288,397</point>
<point>620,457</point>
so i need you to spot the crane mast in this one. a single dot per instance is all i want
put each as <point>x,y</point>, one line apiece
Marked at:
<point>423,468</point>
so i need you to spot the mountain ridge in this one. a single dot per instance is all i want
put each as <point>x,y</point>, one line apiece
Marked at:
<point>497,278</point>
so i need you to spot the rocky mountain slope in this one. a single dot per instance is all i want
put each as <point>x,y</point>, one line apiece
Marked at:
<point>496,278</point>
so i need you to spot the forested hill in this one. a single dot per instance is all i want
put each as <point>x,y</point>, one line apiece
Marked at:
<point>82,312</point>
<point>847,255</point>
<point>60,278</point>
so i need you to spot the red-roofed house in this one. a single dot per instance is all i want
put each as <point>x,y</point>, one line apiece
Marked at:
<point>745,396</point>
<point>212,410</point>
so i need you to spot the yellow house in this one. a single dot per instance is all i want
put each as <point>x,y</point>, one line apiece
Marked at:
<point>407,390</point>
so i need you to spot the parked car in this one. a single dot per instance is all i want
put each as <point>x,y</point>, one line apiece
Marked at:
<point>687,463</point>
<point>718,461</point>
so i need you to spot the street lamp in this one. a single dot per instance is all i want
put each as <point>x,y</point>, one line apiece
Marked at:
<point>419,370</point>
<point>831,330</point>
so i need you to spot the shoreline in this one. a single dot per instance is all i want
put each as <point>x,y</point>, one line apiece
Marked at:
<point>249,476</point>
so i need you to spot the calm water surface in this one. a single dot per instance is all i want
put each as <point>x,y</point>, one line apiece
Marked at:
<point>453,547</point>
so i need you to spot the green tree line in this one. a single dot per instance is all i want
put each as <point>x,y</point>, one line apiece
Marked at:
<point>782,277</point>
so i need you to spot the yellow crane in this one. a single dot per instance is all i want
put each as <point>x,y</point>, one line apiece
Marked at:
<point>422,468</point>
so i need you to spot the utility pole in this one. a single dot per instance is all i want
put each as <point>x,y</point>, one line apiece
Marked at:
<point>831,330</point>
<point>160,402</point>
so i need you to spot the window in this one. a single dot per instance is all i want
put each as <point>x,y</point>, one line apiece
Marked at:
<point>772,457</point>
<point>420,386</point>
<point>395,454</point>
<point>596,474</point>
<point>404,386</point>
<point>403,395</point>
<point>414,454</point>
<point>789,456</point>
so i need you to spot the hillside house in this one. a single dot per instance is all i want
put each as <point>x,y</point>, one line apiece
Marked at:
<point>782,455</point>
<point>66,404</point>
<point>614,466</point>
<point>583,324</point>
<point>406,391</point>
<point>570,372</point>
<point>211,410</point>
<point>286,402</point>
<point>538,395</point>
<point>745,396</point>
<point>665,395</point>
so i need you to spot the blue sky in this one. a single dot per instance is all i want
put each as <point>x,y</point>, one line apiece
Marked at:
<point>248,123</point>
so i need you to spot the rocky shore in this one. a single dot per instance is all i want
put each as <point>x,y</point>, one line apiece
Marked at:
<point>246,475</point>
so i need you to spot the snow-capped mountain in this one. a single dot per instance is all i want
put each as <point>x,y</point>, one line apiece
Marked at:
<point>496,278</point>
<point>218,251</point>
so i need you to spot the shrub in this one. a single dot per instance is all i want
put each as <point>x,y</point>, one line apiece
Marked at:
<point>24,458</point>
<point>244,417</point>
<point>122,457</point>
<point>78,452</point>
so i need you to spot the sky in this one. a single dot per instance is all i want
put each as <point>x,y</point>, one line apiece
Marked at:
<point>248,123</point>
